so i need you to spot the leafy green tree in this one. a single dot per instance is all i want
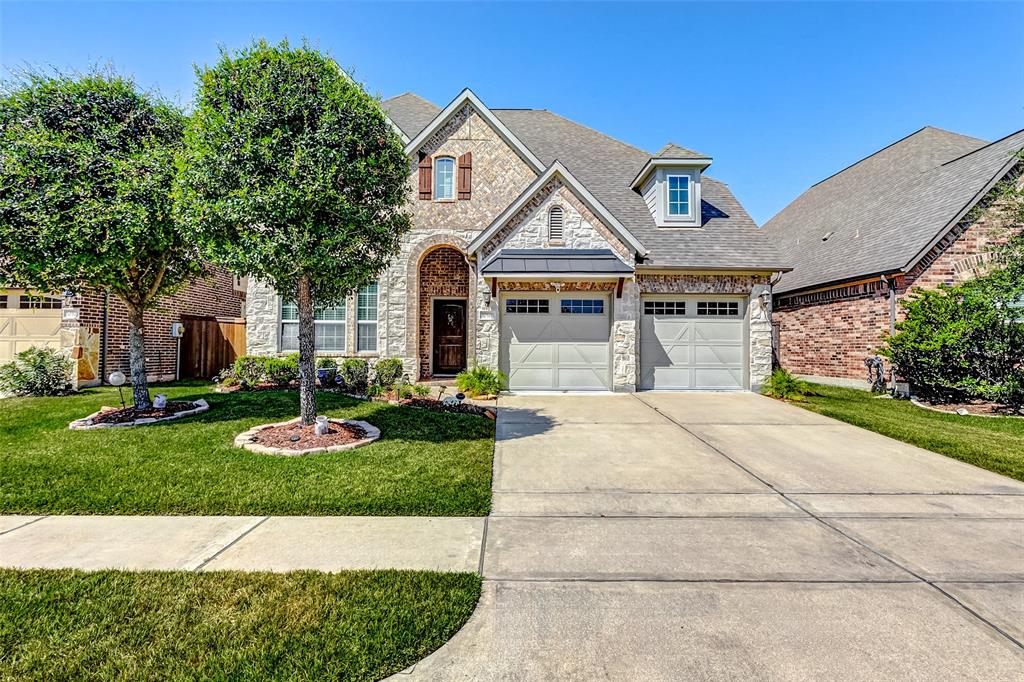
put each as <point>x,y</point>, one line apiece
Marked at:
<point>86,179</point>
<point>291,174</point>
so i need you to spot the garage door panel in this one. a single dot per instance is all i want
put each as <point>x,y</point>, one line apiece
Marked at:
<point>705,354</point>
<point>532,353</point>
<point>24,328</point>
<point>707,377</point>
<point>691,351</point>
<point>557,350</point>
<point>718,331</point>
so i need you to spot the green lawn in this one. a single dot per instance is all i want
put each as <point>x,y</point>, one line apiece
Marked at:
<point>426,463</point>
<point>993,443</point>
<point>112,625</point>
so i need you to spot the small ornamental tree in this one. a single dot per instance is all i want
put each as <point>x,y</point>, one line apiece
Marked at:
<point>86,180</point>
<point>291,174</point>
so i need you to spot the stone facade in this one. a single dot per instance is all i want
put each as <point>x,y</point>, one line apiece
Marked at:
<point>433,261</point>
<point>828,333</point>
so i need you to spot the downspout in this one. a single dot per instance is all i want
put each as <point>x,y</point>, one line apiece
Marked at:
<point>891,283</point>
<point>104,336</point>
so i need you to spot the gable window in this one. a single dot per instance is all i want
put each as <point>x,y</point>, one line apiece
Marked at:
<point>366,319</point>
<point>328,325</point>
<point>679,195</point>
<point>556,222</point>
<point>444,177</point>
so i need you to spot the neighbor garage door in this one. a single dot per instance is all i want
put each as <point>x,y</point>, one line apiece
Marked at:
<point>692,342</point>
<point>27,320</point>
<point>556,342</point>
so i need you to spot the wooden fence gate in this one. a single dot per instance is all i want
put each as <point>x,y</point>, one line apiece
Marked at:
<point>210,344</point>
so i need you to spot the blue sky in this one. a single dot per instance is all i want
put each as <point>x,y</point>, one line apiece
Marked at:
<point>780,94</point>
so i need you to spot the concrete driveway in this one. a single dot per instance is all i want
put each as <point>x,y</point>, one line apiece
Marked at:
<point>668,536</point>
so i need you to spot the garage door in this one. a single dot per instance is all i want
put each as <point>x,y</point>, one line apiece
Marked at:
<point>27,320</point>
<point>556,342</point>
<point>692,342</point>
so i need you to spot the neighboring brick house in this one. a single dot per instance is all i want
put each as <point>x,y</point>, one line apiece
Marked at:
<point>914,215</point>
<point>93,328</point>
<point>564,257</point>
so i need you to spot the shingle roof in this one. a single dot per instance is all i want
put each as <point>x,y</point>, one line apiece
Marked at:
<point>605,166</point>
<point>410,112</point>
<point>525,262</point>
<point>883,211</point>
<point>674,151</point>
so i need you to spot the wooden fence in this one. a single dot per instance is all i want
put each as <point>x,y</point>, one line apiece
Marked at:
<point>210,344</point>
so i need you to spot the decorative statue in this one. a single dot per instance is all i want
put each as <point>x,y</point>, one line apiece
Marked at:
<point>876,373</point>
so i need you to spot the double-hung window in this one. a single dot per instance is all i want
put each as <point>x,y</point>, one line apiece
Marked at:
<point>366,318</point>
<point>444,177</point>
<point>679,195</point>
<point>328,322</point>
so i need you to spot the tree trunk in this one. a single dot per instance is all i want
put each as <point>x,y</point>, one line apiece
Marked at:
<point>137,359</point>
<point>307,353</point>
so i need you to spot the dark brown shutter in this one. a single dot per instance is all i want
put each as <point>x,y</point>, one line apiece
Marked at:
<point>465,175</point>
<point>426,177</point>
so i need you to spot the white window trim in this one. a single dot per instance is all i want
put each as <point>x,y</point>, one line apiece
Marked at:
<point>320,352</point>
<point>455,177</point>
<point>661,180</point>
<point>375,322</point>
<point>679,217</point>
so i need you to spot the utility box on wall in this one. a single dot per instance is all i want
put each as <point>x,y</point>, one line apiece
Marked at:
<point>177,330</point>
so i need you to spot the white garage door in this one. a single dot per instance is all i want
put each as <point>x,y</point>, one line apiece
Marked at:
<point>27,320</point>
<point>692,342</point>
<point>556,341</point>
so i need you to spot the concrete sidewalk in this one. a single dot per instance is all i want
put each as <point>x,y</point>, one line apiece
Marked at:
<point>245,543</point>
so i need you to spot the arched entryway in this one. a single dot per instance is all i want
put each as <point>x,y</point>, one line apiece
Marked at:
<point>443,312</point>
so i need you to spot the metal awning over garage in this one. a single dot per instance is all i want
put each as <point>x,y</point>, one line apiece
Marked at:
<point>556,263</point>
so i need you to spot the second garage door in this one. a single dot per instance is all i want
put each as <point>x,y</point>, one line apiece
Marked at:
<point>556,341</point>
<point>27,320</point>
<point>693,342</point>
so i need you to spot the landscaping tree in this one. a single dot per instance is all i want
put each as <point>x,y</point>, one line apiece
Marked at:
<point>86,179</point>
<point>291,174</point>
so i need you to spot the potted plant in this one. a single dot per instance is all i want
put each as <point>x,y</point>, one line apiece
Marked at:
<point>326,369</point>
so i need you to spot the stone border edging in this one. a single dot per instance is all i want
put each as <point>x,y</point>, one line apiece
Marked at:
<point>244,439</point>
<point>85,423</point>
<point>915,401</point>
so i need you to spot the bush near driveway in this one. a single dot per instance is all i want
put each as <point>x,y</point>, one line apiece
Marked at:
<point>426,463</point>
<point>112,625</point>
<point>993,443</point>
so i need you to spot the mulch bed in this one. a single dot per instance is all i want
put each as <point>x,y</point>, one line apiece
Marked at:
<point>117,415</point>
<point>285,436</point>
<point>977,407</point>
<point>438,406</point>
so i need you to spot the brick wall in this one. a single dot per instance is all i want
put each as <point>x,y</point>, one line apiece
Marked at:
<point>212,296</point>
<point>443,272</point>
<point>829,333</point>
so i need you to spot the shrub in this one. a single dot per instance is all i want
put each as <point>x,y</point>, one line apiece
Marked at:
<point>963,342</point>
<point>388,371</point>
<point>421,390</point>
<point>281,371</point>
<point>782,384</point>
<point>329,367</point>
<point>375,391</point>
<point>354,374</point>
<point>250,368</point>
<point>326,363</point>
<point>37,371</point>
<point>480,381</point>
<point>405,391</point>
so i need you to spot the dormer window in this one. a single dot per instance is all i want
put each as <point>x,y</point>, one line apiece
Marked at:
<point>556,222</point>
<point>444,178</point>
<point>679,195</point>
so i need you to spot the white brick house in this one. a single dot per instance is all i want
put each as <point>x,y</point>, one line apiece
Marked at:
<point>567,259</point>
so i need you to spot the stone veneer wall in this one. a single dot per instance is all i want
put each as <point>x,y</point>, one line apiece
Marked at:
<point>759,312</point>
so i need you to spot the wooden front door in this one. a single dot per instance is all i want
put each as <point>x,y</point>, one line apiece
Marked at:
<point>449,336</point>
